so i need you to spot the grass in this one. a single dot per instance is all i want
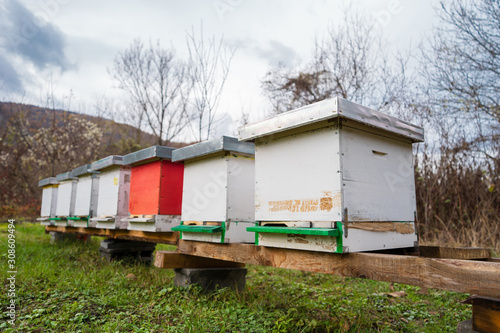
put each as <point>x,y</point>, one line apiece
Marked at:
<point>66,287</point>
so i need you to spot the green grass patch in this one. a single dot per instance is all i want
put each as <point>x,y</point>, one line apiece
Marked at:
<point>66,287</point>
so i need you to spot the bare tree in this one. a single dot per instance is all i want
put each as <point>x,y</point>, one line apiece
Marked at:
<point>37,146</point>
<point>348,61</point>
<point>209,63</point>
<point>157,85</point>
<point>244,116</point>
<point>104,107</point>
<point>130,115</point>
<point>462,69</point>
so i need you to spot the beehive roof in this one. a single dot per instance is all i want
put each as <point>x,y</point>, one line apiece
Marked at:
<point>47,181</point>
<point>150,153</point>
<point>107,162</point>
<point>331,108</point>
<point>64,176</point>
<point>224,143</point>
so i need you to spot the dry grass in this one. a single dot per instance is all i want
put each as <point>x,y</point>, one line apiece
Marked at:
<point>458,200</point>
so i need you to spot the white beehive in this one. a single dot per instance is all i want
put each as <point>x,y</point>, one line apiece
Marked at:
<point>65,199</point>
<point>113,193</point>
<point>218,193</point>
<point>49,200</point>
<point>86,196</point>
<point>334,176</point>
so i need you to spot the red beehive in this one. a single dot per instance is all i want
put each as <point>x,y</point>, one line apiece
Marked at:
<point>155,189</point>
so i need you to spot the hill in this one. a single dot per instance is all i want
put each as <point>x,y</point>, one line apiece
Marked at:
<point>37,142</point>
<point>36,117</point>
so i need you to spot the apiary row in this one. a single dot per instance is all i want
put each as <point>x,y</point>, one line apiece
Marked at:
<point>333,176</point>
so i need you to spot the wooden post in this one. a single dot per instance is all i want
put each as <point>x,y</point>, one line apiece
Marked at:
<point>169,237</point>
<point>485,314</point>
<point>169,259</point>
<point>210,274</point>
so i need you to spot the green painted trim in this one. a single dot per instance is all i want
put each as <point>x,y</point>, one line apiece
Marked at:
<point>56,218</point>
<point>340,238</point>
<point>256,238</point>
<point>296,231</point>
<point>198,228</point>
<point>223,232</point>
<point>180,232</point>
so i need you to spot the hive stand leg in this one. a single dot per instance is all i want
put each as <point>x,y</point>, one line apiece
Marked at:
<point>56,237</point>
<point>466,327</point>
<point>210,274</point>
<point>211,278</point>
<point>485,315</point>
<point>83,238</point>
<point>119,249</point>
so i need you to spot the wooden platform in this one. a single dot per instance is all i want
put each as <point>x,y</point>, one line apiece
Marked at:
<point>455,269</point>
<point>478,277</point>
<point>143,236</point>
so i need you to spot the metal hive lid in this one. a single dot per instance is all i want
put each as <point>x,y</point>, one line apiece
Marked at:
<point>224,143</point>
<point>154,153</point>
<point>331,108</point>
<point>48,181</point>
<point>64,176</point>
<point>107,162</point>
<point>81,170</point>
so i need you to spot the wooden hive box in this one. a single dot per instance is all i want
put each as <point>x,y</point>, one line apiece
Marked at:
<point>334,176</point>
<point>155,190</point>
<point>218,195</point>
<point>113,193</point>
<point>87,189</point>
<point>49,200</point>
<point>65,199</point>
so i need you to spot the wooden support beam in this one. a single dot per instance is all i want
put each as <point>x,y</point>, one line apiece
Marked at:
<point>485,314</point>
<point>480,278</point>
<point>464,253</point>
<point>143,236</point>
<point>169,259</point>
<point>475,277</point>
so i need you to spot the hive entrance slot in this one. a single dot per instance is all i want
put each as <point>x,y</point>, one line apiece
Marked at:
<point>283,225</point>
<point>380,153</point>
<point>202,223</point>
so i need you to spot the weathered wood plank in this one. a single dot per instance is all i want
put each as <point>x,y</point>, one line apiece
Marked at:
<point>153,237</point>
<point>169,259</point>
<point>476,277</point>
<point>400,227</point>
<point>465,253</point>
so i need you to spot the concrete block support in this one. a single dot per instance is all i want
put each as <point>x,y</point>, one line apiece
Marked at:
<point>211,278</point>
<point>119,249</point>
<point>466,327</point>
<point>56,237</point>
<point>83,238</point>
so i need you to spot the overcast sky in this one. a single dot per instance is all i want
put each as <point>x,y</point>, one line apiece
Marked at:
<point>72,43</point>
